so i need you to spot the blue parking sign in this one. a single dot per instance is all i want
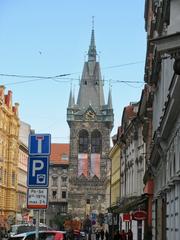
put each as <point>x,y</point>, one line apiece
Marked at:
<point>39,144</point>
<point>38,171</point>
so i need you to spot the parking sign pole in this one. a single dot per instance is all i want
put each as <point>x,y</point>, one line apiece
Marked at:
<point>37,225</point>
<point>38,174</point>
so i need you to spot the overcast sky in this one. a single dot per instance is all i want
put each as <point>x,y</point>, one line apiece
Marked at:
<point>51,37</point>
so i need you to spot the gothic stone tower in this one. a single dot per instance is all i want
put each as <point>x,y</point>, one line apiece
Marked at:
<point>90,121</point>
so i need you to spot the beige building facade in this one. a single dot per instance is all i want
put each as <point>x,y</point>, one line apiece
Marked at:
<point>9,150</point>
<point>22,213</point>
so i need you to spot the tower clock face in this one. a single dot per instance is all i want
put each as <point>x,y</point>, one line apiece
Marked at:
<point>90,115</point>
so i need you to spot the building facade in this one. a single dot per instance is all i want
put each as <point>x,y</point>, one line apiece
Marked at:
<point>90,121</point>
<point>58,184</point>
<point>162,72</point>
<point>115,174</point>
<point>115,184</point>
<point>9,147</point>
<point>22,214</point>
<point>132,159</point>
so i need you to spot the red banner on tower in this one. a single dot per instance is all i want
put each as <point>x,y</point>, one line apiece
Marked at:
<point>82,164</point>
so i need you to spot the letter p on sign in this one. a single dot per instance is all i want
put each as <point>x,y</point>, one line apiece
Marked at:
<point>37,166</point>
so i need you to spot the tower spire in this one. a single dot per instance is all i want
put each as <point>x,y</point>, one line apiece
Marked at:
<point>91,85</point>
<point>110,100</point>
<point>92,47</point>
<point>92,22</point>
<point>71,100</point>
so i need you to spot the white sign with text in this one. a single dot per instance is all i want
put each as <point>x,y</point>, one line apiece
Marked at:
<point>37,198</point>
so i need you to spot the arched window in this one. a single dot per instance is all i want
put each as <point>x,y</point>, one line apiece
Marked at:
<point>96,142</point>
<point>83,141</point>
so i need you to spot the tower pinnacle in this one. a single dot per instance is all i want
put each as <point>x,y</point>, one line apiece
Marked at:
<point>92,22</point>
<point>92,47</point>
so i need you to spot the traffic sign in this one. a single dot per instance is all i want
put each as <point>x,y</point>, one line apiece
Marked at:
<point>38,171</point>
<point>39,144</point>
<point>37,198</point>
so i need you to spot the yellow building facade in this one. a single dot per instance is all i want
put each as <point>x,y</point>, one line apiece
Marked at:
<point>115,185</point>
<point>9,150</point>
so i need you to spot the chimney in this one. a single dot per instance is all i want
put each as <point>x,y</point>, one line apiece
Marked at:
<point>8,99</point>
<point>2,88</point>
<point>16,109</point>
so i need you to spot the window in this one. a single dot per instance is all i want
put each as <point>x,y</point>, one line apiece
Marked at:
<point>64,179</point>
<point>30,237</point>
<point>5,177</point>
<point>54,194</point>
<point>174,164</point>
<point>63,194</point>
<point>96,142</point>
<point>1,174</point>
<point>13,178</point>
<point>83,141</point>
<point>54,181</point>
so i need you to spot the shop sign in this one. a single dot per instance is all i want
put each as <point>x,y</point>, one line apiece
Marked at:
<point>126,217</point>
<point>139,215</point>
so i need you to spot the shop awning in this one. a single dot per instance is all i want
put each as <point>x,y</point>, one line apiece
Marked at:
<point>128,204</point>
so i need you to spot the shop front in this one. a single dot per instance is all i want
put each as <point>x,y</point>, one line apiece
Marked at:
<point>133,214</point>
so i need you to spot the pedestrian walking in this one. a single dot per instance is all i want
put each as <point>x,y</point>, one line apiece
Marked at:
<point>102,234</point>
<point>97,235</point>
<point>107,235</point>
<point>116,236</point>
<point>130,235</point>
<point>123,235</point>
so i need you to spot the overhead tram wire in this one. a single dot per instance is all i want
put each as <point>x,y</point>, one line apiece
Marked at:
<point>68,80</point>
<point>123,65</point>
<point>62,75</point>
<point>32,76</point>
<point>58,78</point>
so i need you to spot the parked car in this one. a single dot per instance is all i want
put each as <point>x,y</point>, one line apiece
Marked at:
<point>43,235</point>
<point>23,228</point>
<point>82,235</point>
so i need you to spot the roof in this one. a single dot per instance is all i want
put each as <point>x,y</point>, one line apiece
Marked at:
<point>129,111</point>
<point>59,153</point>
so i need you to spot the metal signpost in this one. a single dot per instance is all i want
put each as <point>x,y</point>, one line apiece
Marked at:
<point>38,174</point>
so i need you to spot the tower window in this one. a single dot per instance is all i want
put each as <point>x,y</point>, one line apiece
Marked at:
<point>85,82</point>
<point>96,142</point>
<point>83,141</point>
